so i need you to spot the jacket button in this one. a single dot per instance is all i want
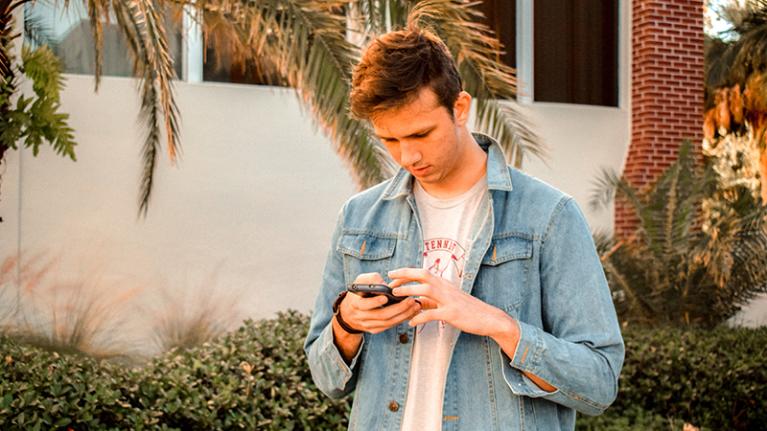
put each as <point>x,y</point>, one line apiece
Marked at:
<point>403,338</point>
<point>394,406</point>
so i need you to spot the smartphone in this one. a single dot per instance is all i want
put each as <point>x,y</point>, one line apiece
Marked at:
<point>372,289</point>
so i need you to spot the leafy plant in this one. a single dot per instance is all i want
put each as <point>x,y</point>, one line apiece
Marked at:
<point>31,119</point>
<point>631,419</point>
<point>713,378</point>
<point>685,264</point>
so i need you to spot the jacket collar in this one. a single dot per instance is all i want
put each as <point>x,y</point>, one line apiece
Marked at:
<point>498,177</point>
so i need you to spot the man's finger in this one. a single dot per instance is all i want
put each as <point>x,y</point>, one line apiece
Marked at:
<point>394,320</point>
<point>373,302</point>
<point>412,274</point>
<point>426,303</point>
<point>390,311</point>
<point>398,282</point>
<point>425,316</point>
<point>422,290</point>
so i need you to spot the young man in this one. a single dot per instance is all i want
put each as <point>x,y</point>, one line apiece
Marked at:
<point>508,322</point>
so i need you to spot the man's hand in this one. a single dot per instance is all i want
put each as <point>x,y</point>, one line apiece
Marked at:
<point>444,301</point>
<point>369,315</point>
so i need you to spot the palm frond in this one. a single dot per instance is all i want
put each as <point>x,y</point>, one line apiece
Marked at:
<point>607,185</point>
<point>641,307</point>
<point>37,33</point>
<point>144,28</point>
<point>372,16</point>
<point>476,51</point>
<point>751,47</point>
<point>98,10</point>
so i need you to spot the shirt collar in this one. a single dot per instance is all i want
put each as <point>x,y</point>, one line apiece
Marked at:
<point>498,177</point>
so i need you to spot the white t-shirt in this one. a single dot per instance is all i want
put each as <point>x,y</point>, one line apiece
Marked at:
<point>446,225</point>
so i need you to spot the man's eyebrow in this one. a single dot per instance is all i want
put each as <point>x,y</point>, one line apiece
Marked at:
<point>414,134</point>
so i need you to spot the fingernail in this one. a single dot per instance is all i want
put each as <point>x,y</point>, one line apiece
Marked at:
<point>395,291</point>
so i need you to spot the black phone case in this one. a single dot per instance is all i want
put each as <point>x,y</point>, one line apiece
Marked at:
<point>371,289</point>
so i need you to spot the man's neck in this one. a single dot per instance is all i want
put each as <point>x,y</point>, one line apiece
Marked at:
<point>472,166</point>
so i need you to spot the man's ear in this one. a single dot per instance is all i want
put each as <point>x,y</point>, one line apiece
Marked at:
<point>461,108</point>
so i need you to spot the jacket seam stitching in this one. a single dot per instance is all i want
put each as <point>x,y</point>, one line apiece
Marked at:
<point>554,215</point>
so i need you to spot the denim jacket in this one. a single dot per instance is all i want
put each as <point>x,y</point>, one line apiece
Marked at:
<point>533,258</point>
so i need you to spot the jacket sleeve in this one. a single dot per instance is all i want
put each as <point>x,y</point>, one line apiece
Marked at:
<point>332,375</point>
<point>580,349</point>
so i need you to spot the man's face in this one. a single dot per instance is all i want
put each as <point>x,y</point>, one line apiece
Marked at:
<point>423,137</point>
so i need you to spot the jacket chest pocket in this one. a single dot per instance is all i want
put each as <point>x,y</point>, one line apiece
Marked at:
<point>503,277</point>
<point>363,253</point>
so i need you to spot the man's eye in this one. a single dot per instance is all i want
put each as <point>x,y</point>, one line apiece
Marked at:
<point>421,135</point>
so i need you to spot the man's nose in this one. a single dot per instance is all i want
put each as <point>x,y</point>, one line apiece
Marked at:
<point>408,154</point>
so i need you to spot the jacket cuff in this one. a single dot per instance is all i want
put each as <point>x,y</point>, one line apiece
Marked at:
<point>527,358</point>
<point>329,350</point>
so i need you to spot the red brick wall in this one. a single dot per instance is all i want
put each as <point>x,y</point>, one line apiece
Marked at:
<point>666,90</point>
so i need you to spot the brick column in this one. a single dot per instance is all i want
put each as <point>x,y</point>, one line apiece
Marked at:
<point>666,91</point>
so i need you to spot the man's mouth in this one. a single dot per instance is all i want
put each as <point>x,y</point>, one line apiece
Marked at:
<point>420,170</point>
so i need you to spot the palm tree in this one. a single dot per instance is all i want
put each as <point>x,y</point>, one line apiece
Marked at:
<point>736,80</point>
<point>698,253</point>
<point>307,43</point>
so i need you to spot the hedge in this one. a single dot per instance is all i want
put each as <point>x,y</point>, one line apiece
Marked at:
<point>257,378</point>
<point>716,378</point>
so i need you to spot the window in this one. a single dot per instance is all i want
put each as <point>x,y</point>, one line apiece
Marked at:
<point>501,16</point>
<point>68,32</point>
<point>568,49</point>
<point>576,51</point>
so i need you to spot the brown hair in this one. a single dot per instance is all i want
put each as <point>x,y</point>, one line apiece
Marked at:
<point>396,65</point>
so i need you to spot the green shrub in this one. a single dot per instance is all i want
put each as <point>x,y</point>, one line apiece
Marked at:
<point>257,378</point>
<point>253,378</point>
<point>634,419</point>
<point>40,389</point>
<point>715,378</point>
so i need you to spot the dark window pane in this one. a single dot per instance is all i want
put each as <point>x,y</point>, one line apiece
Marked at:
<point>576,51</point>
<point>223,64</point>
<point>68,32</point>
<point>501,16</point>
<point>219,66</point>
